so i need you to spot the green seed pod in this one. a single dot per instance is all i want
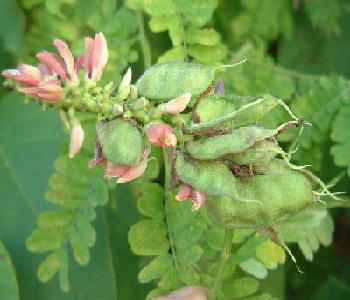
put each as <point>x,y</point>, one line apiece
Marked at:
<point>262,152</point>
<point>169,80</point>
<point>236,141</point>
<point>219,105</point>
<point>121,142</point>
<point>247,114</point>
<point>262,200</point>
<point>213,178</point>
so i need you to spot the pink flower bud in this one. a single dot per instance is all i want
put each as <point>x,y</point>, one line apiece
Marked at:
<point>48,90</point>
<point>127,173</point>
<point>54,63</point>
<point>161,135</point>
<point>68,58</point>
<point>96,56</point>
<point>188,192</point>
<point>76,140</point>
<point>177,104</point>
<point>25,74</point>
<point>186,293</point>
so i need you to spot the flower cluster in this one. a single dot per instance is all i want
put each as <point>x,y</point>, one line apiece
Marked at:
<point>57,76</point>
<point>45,80</point>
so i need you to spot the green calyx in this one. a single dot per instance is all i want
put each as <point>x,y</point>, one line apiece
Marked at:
<point>121,142</point>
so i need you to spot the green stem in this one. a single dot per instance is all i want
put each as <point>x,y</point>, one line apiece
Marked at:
<point>167,196</point>
<point>145,46</point>
<point>225,255</point>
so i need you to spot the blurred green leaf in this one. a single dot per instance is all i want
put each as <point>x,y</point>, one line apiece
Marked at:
<point>8,281</point>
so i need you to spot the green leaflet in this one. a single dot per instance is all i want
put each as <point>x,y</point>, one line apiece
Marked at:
<point>236,141</point>
<point>310,229</point>
<point>270,254</point>
<point>121,142</point>
<point>148,237</point>
<point>262,200</point>
<point>241,287</point>
<point>314,106</point>
<point>8,283</point>
<point>158,81</point>
<point>247,114</point>
<point>213,178</point>
<point>184,21</point>
<point>172,226</point>
<point>77,193</point>
<point>340,134</point>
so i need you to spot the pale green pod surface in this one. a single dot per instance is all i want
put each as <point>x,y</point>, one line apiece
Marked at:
<point>218,105</point>
<point>247,114</point>
<point>236,141</point>
<point>171,79</point>
<point>212,178</point>
<point>260,153</point>
<point>276,197</point>
<point>121,142</point>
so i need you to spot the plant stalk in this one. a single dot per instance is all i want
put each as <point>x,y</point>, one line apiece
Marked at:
<point>145,46</point>
<point>225,255</point>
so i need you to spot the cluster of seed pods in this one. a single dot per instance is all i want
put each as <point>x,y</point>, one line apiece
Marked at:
<point>220,154</point>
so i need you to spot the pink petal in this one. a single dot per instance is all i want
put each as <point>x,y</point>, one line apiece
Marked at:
<point>79,64</point>
<point>54,63</point>
<point>188,192</point>
<point>76,140</point>
<point>132,173</point>
<point>67,56</point>
<point>177,105</point>
<point>198,199</point>
<point>161,135</point>
<point>100,56</point>
<point>30,90</point>
<point>31,71</point>
<point>96,56</point>
<point>187,293</point>
<point>184,193</point>
<point>89,49</point>
<point>16,75</point>
<point>115,170</point>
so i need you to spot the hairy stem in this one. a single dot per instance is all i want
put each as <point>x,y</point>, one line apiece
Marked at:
<point>167,195</point>
<point>145,46</point>
<point>225,255</point>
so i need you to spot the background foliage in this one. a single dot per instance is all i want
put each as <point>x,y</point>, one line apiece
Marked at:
<point>297,50</point>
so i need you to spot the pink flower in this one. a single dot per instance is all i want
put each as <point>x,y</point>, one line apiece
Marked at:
<point>161,135</point>
<point>186,293</point>
<point>188,192</point>
<point>48,90</point>
<point>96,56</point>
<point>177,104</point>
<point>127,173</point>
<point>76,140</point>
<point>25,74</point>
<point>61,65</point>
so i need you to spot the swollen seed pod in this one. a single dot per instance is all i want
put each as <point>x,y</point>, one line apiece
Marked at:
<point>236,141</point>
<point>247,114</point>
<point>260,153</point>
<point>212,178</point>
<point>262,200</point>
<point>169,80</point>
<point>121,142</point>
